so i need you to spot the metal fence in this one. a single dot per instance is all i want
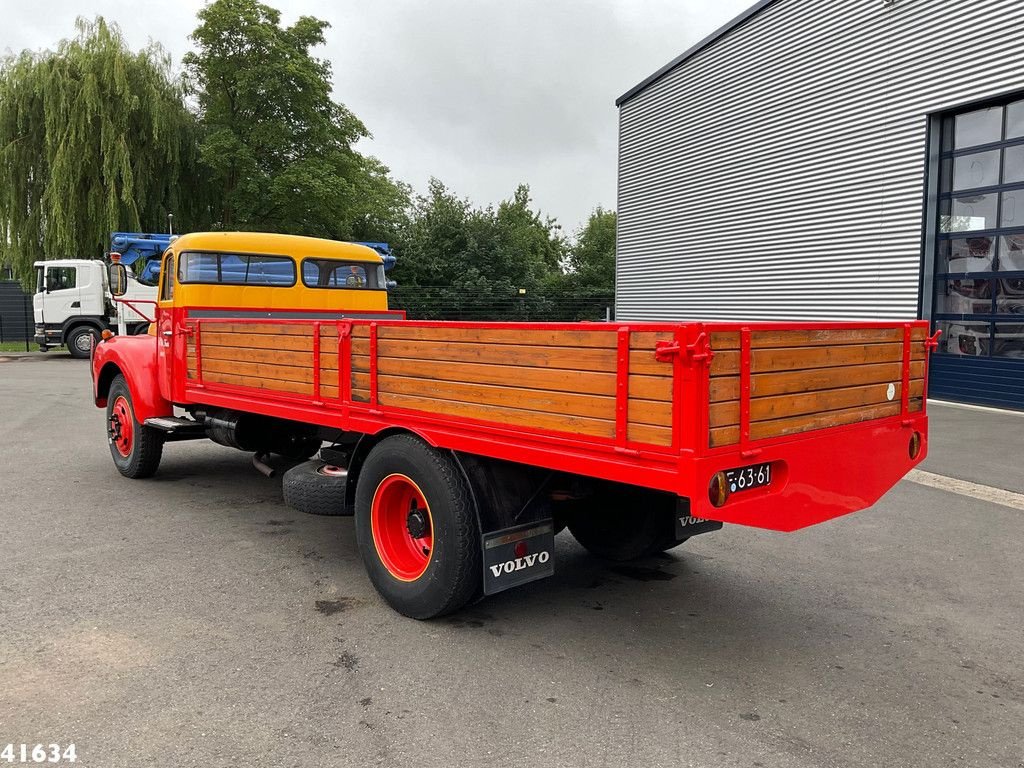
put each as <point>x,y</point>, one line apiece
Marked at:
<point>549,305</point>
<point>16,323</point>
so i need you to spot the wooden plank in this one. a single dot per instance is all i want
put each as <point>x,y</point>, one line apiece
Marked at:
<point>582,382</point>
<point>648,340</point>
<point>725,340</point>
<point>512,397</point>
<point>651,387</point>
<point>579,382</point>
<point>799,358</point>
<point>807,338</point>
<point>258,355</point>
<point>565,358</point>
<point>644,362</point>
<point>256,341</point>
<point>796,382</point>
<point>260,327</point>
<point>643,433</point>
<point>259,370</point>
<point>598,338</point>
<point>504,416</point>
<point>649,412</point>
<point>764,429</point>
<point>295,387</point>
<point>767,408</point>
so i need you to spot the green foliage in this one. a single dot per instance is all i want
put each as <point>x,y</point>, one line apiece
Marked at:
<point>591,259</point>
<point>457,261</point>
<point>93,138</point>
<point>279,149</point>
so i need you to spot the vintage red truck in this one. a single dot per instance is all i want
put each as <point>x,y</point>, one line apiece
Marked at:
<point>462,448</point>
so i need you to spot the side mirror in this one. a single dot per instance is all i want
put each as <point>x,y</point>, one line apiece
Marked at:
<point>118,279</point>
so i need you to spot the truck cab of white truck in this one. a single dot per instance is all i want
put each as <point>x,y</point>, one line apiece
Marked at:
<point>73,305</point>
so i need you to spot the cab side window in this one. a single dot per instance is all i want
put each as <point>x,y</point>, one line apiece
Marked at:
<point>167,281</point>
<point>60,278</point>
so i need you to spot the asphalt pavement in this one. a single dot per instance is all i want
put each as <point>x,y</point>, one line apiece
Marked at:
<point>194,620</point>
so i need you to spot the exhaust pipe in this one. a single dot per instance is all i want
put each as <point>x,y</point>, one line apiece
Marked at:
<point>261,466</point>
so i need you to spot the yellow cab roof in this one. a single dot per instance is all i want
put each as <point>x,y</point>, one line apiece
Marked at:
<point>274,244</point>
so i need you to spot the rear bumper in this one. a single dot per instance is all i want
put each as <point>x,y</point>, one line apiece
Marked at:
<point>817,476</point>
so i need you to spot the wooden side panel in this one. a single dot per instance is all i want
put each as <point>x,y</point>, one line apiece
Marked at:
<point>266,355</point>
<point>551,379</point>
<point>561,380</point>
<point>650,391</point>
<point>802,380</point>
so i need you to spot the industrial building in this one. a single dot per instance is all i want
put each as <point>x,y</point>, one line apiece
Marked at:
<point>838,159</point>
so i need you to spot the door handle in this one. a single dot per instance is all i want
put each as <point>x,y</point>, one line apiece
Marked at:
<point>167,333</point>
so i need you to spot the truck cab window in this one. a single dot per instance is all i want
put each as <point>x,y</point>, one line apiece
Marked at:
<point>333,273</point>
<point>167,286</point>
<point>60,278</point>
<point>236,269</point>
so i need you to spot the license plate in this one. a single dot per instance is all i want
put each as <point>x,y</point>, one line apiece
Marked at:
<point>745,478</point>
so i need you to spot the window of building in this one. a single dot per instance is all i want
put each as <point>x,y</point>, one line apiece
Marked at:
<point>979,263</point>
<point>334,273</point>
<point>236,269</point>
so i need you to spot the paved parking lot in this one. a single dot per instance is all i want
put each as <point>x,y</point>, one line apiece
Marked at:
<point>193,620</point>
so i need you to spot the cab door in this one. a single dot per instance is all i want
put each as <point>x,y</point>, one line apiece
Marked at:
<point>166,336</point>
<point>61,294</point>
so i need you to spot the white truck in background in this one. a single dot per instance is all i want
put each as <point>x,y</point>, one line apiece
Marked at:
<point>73,304</point>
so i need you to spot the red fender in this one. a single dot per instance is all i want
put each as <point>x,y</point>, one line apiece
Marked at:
<point>135,358</point>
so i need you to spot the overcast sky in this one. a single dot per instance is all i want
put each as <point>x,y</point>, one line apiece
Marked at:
<point>479,93</point>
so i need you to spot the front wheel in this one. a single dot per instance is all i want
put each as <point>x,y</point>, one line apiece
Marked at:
<point>81,340</point>
<point>417,528</point>
<point>135,448</point>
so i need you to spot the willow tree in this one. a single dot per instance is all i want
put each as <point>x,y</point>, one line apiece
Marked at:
<point>93,138</point>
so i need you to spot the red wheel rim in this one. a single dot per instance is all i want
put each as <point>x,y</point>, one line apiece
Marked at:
<point>122,426</point>
<point>403,530</point>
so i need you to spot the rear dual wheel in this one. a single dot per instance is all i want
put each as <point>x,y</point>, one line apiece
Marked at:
<point>417,529</point>
<point>624,523</point>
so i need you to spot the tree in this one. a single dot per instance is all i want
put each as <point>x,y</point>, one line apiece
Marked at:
<point>280,150</point>
<point>591,258</point>
<point>460,261</point>
<point>93,138</point>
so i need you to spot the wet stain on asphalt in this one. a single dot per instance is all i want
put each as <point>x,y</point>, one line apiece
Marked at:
<point>751,716</point>
<point>366,702</point>
<point>279,522</point>
<point>331,607</point>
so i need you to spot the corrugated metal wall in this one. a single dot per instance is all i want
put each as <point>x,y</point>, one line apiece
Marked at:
<point>779,172</point>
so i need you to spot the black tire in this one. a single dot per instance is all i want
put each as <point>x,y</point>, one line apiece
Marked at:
<point>315,488</point>
<point>624,523</point>
<point>147,444</point>
<point>81,340</point>
<point>453,573</point>
<point>141,329</point>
